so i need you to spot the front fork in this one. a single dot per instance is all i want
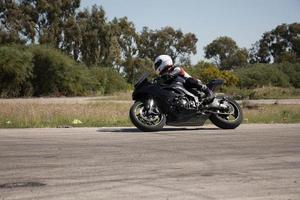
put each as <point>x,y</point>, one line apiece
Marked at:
<point>149,105</point>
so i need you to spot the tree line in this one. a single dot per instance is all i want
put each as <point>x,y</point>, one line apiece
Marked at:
<point>279,45</point>
<point>93,41</point>
<point>87,35</point>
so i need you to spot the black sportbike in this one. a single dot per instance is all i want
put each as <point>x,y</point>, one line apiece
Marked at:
<point>158,104</point>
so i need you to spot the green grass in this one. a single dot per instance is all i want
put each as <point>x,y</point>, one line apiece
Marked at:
<point>34,115</point>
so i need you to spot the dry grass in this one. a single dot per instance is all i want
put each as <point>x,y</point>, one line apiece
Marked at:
<point>99,114</point>
<point>54,115</point>
<point>122,96</point>
<point>267,92</point>
<point>272,114</point>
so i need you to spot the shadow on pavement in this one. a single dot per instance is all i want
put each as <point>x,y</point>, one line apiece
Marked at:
<point>135,130</point>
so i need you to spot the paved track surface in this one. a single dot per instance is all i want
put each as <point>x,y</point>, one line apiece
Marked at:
<point>251,162</point>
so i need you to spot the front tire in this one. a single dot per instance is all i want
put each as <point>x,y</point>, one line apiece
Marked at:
<point>222,121</point>
<point>145,122</point>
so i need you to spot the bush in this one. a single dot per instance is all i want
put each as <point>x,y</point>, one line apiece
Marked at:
<point>108,80</point>
<point>44,71</point>
<point>15,71</point>
<point>207,71</point>
<point>56,74</point>
<point>258,75</point>
<point>292,71</point>
<point>237,93</point>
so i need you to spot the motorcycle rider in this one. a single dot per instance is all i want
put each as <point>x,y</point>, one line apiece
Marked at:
<point>163,66</point>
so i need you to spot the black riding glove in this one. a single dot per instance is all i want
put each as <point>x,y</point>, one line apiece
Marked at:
<point>166,78</point>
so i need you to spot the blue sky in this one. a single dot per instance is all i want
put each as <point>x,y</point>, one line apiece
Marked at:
<point>243,20</point>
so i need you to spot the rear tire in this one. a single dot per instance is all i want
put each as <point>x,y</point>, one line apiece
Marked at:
<point>223,123</point>
<point>133,114</point>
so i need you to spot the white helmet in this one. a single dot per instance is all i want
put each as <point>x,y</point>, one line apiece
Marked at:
<point>161,62</point>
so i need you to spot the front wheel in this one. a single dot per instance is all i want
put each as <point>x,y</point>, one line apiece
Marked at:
<point>146,120</point>
<point>229,118</point>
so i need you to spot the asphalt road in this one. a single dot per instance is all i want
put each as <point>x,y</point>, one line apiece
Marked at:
<point>251,162</point>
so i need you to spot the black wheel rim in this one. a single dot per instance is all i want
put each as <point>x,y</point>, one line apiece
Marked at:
<point>233,111</point>
<point>146,118</point>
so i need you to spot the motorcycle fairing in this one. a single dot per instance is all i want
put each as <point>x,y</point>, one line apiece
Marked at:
<point>161,96</point>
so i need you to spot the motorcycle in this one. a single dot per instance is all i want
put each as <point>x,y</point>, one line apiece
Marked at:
<point>157,104</point>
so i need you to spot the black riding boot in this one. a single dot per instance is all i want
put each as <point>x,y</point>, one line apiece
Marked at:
<point>195,83</point>
<point>209,95</point>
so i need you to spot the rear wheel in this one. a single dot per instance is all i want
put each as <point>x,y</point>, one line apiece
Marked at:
<point>146,120</point>
<point>229,118</point>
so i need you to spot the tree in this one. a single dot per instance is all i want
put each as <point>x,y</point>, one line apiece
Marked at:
<point>10,22</point>
<point>166,41</point>
<point>279,45</point>
<point>45,19</point>
<point>96,37</point>
<point>126,49</point>
<point>127,59</point>
<point>36,21</point>
<point>72,38</point>
<point>225,53</point>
